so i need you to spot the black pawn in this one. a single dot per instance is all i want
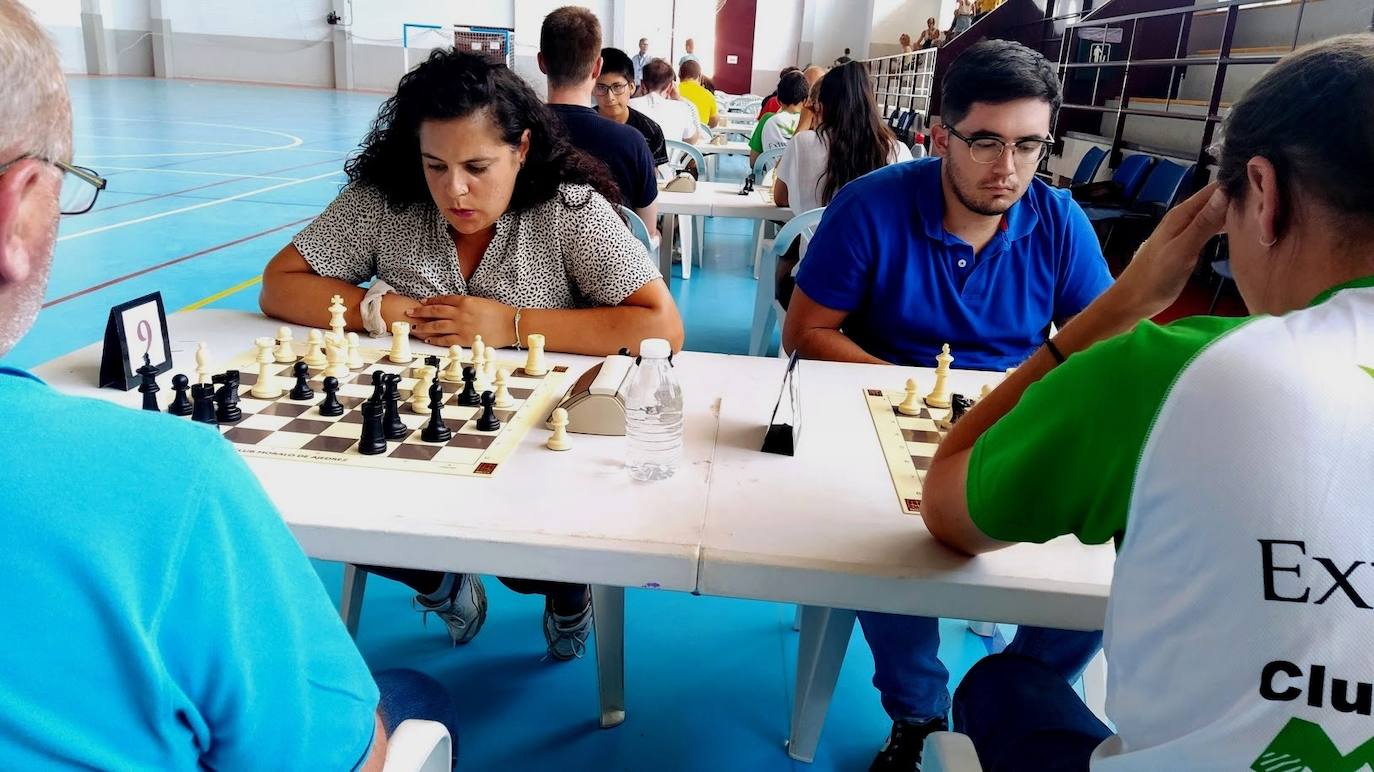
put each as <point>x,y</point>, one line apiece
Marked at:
<point>469,396</point>
<point>181,404</point>
<point>302,391</point>
<point>378,386</point>
<point>488,422</point>
<point>203,404</point>
<point>436,430</point>
<point>227,397</point>
<point>147,385</point>
<point>373,441</point>
<point>392,426</point>
<point>331,406</point>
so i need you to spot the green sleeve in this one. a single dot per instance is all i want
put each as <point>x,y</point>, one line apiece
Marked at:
<point>1063,461</point>
<point>756,141</point>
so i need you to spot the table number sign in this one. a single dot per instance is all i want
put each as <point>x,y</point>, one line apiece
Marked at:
<point>134,329</point>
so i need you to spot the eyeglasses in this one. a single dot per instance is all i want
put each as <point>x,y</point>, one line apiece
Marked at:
<point>989,150</point>
<point>80,185</point>
<point>602,89</point>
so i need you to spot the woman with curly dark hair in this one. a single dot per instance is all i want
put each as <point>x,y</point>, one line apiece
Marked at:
<point>476,219</point>
<point>472,215</point>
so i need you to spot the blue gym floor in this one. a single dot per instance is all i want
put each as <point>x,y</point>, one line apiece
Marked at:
<point>207,182</point>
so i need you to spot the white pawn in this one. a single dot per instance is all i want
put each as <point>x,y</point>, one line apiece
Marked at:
<point>534,360</point>
<point>284,353</point>
<point>314,350</point>
<point>453,373</point>
<point>559,440</point>
<point>939,396</point>
<point>987,389</point>
<point>266,386</point>
<point>202,363</point>
<point>355,356</point>
<point>912,404</point>
<point>503,397</point>
<point>337,356</point>
<point>419,393</point>
<point>400,343</point>
<point>479,352</point>
<point>483,381</point>
<point>493,367</point>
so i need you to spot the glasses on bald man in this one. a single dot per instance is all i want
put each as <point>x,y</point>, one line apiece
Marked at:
<point>80,185</point>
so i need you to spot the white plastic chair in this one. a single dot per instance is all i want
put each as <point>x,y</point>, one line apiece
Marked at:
<point>768,312</point>
<point>767,162</point>
<point>419,746</point>
<point>692,229</point>
<point>638,228</point>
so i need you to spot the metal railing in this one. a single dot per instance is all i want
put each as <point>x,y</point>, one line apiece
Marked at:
<point>903,82</point>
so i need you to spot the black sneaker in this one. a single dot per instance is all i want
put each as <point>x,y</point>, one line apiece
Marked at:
<point>902,752</point>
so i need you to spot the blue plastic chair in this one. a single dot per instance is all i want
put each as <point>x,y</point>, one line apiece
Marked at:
<point>638,228</point>
<point>1088,166</point>
<point>768,313</point>
<point>1131,174</point>
<point>1157,194</point>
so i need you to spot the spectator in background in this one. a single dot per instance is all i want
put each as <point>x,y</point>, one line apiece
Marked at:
<point>612,92</point>
<point>844,59</point>
<point>776,129</point>
<point>905,42</point>
<point>691,89</point>
<point>931,37</point>
<point>676,119</point>
<point>690,56</point>
<point>640,59</point>
<point>963,16</point>
<point>570,55</point>
<point>813,75</point>
<point>770,102</point>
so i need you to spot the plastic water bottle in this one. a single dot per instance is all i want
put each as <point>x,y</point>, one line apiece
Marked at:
<point>653,415</point>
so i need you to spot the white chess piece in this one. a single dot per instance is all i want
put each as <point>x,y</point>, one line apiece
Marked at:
<point>493,367</point>
<point>314,350</point>
<point>202,363</point>
<point>266,386</point>
<point>503,397</point>
<point>337,325</point>
<point>479,352</point>
<point>912,404</point>
<point>482,382</point>
<point>939,396</point>
<point>534,360</point>
<point>400,343</point>
<point>453,373</point>
<point>559,440</point>
<point>284,353</point>
<point>337,356</point>
<point>987,389</point>
<point>419,393</point>
<point>355,356</point>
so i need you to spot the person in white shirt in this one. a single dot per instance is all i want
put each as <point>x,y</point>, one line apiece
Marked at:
<point>640,59</point>
<point>850,141</point>
<point>677,118</point>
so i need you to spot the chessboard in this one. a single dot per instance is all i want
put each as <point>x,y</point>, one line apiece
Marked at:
<point>284,428</point>
<point>908,443</point>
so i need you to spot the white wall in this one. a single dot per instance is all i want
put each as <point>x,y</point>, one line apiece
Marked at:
<point>281,19</point>
<point>379,22</point>
<point>830,26</point>
<point>61,19</point>
<point>777,36</point>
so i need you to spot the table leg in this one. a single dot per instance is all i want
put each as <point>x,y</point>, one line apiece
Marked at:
<point>351,599</point>
<point>765,290</point>
<point>825,634</point>
<point>982,629</point>
<point>1095,685</point>
<point>608,604</point>
<point>665,248</point>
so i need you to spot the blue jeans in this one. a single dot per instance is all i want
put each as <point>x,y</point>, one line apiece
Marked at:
<point>915,686</point>
<point>1021,714</point>
<point>411,694</point>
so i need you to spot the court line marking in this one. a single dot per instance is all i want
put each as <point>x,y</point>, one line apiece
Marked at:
<point>293,140</point>
<point>205,301</point>
<point>106,168</point>
<point>210,185</point>
<point>193,207</point>
<point>173,261</point>
<point>170,141</point>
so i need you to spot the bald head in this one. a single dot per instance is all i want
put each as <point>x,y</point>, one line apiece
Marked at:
<point>813,74</point>
<point>36,125</point>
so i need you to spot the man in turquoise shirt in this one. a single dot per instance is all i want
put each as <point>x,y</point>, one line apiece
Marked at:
<point>158,613</point>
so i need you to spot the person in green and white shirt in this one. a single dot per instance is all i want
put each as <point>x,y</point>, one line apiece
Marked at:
<point>1231,462</point>
<point>776,129</point>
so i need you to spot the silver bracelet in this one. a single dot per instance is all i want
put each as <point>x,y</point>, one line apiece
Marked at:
<point>517,328</point>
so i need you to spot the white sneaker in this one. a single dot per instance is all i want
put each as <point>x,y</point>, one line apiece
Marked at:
<point>463,611</point>
<point>567,636</point>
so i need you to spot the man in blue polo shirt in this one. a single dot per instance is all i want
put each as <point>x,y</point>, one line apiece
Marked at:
<point>967,249</point>
<point>158,613</point>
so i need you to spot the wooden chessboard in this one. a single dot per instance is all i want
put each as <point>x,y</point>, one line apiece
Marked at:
<point>287,429</point>
<point>908,443</point>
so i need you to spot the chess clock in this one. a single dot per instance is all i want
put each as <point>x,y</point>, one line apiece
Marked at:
<point>134,329</point>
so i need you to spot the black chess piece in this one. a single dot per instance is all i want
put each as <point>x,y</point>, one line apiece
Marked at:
<point>181,404</point>
<point>958,405</point>
<point>488,422</point>
<point>392,426</point>
<point>227,397</point>
<point>436,430</point>
<point>203,404</point>
<point>147,385</point>
<point>373,440</point>
<point>433,361</point>
<point>469,396</point>
<point>302,392</point>
<point>378,386</point>
<point>331,406</point>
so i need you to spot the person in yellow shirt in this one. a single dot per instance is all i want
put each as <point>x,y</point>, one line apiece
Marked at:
<point>689,87</point>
